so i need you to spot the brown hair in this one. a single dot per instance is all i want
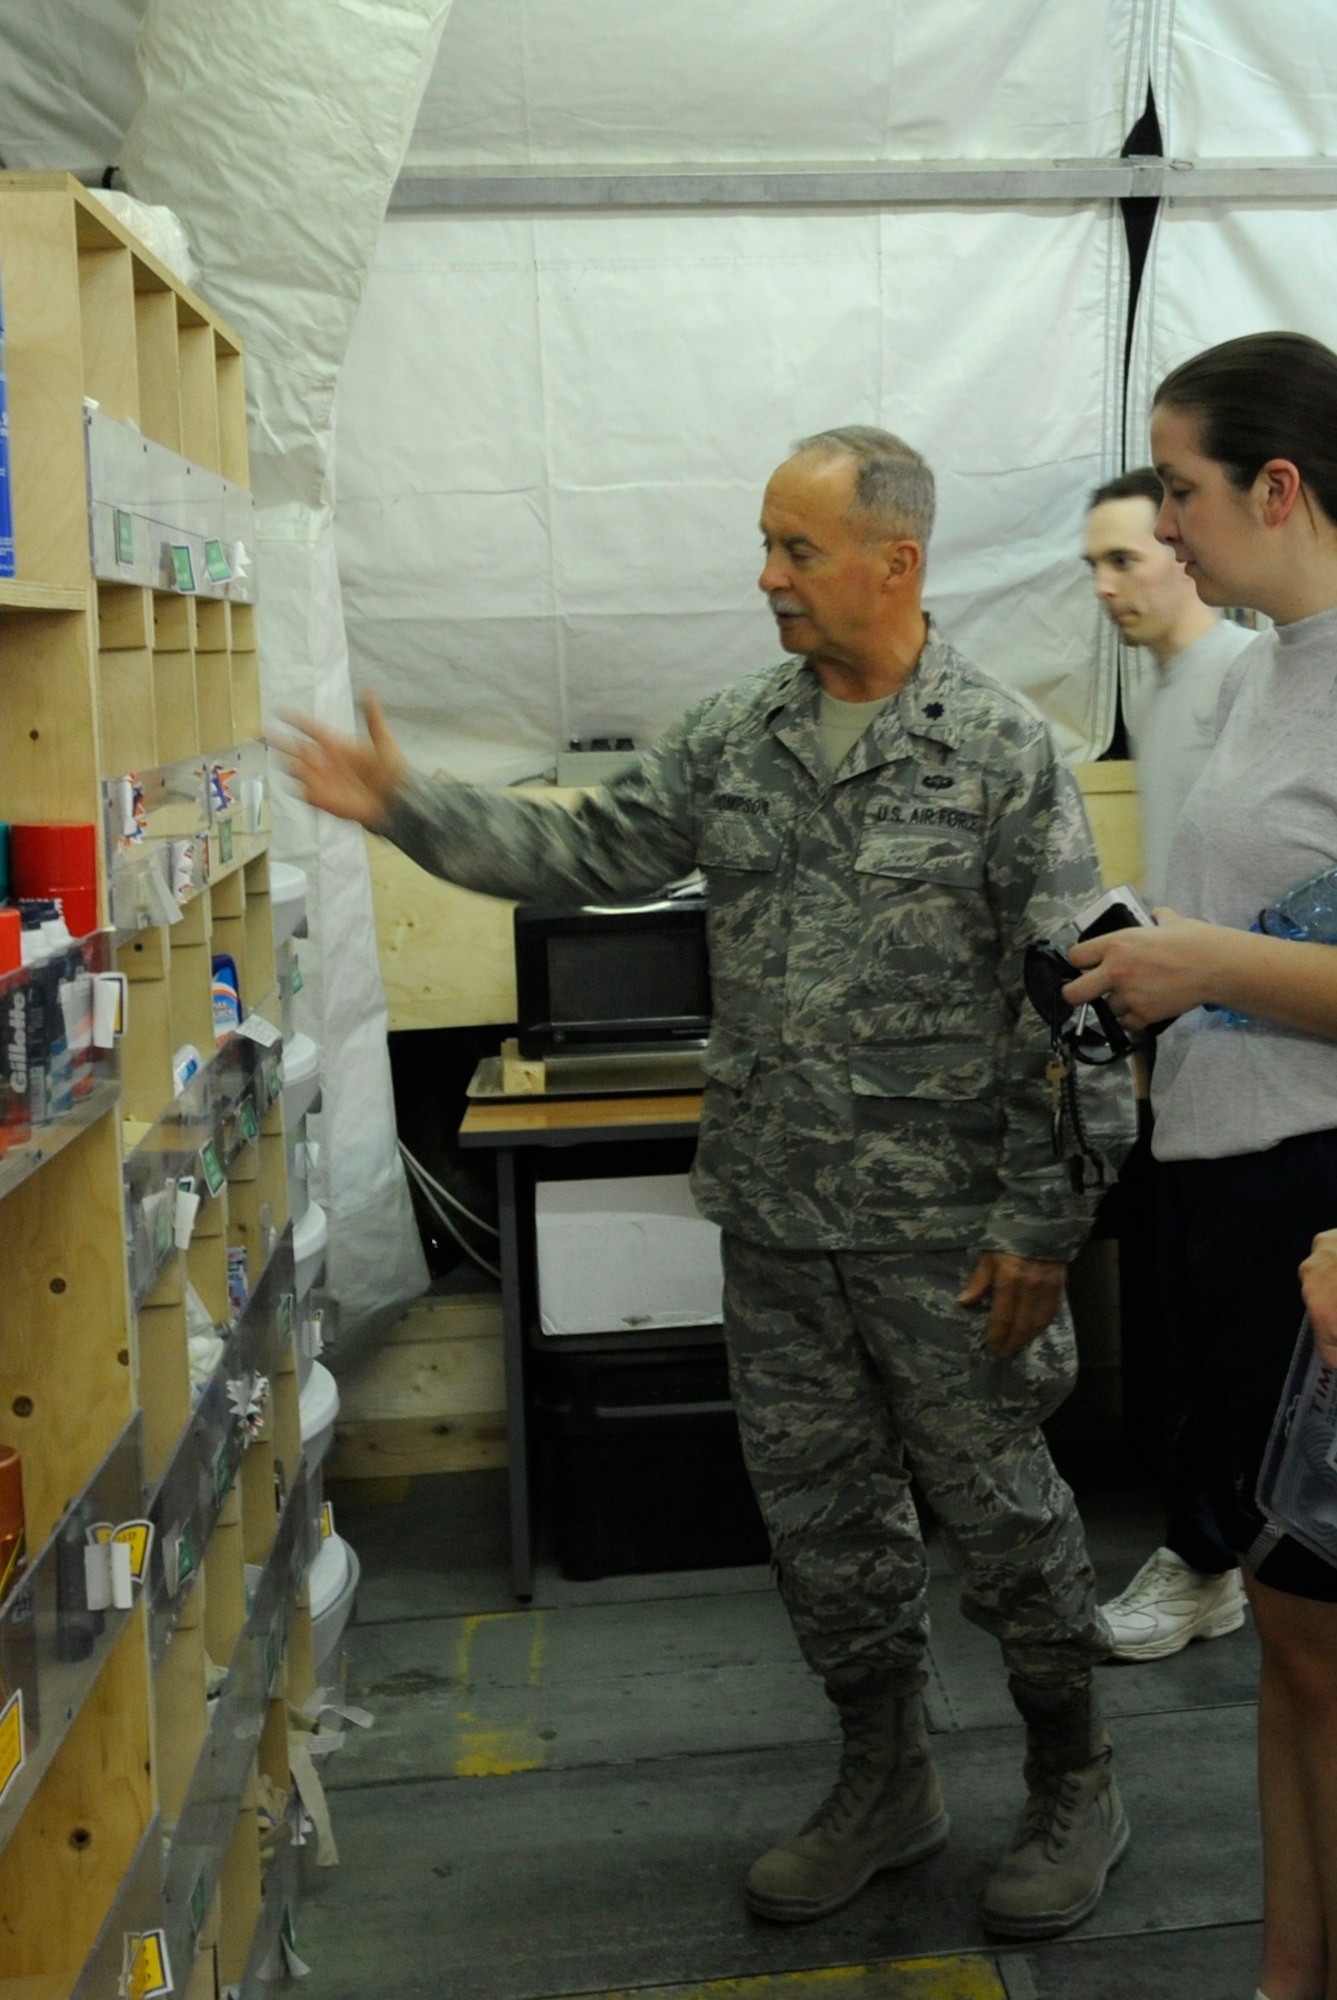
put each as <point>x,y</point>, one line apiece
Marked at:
<point>1268,395</point>
<point>1141,482</point>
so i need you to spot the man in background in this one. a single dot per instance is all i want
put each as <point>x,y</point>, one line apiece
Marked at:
<point>1191,1587</point>
<point>1147,594</point>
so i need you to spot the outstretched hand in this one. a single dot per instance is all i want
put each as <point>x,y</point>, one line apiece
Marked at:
<point>342,774</point>
<point>1024,1295</point>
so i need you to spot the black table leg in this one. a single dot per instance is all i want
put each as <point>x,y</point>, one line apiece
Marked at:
<point>512,1335</point>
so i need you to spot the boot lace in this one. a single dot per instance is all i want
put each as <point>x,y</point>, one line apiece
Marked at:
<point>856,1781</point>
<point>1050,1814</point>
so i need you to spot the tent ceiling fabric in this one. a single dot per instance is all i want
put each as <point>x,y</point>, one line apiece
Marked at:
<point>553,438</point>
<point>252,111</point>
<point>583,81</point>
<point>68,83</point>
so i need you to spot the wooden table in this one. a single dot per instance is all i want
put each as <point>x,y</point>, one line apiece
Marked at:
<point>510,1128</point>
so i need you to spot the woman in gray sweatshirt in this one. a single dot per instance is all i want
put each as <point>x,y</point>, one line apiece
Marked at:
<point>1244,438</point>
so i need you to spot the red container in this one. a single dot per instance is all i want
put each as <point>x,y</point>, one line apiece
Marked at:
<point>11,941</point>
<point>54,858</point>
<point>11,1520</point>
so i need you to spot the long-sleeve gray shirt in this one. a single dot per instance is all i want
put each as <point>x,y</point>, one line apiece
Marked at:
<point>1171,729</point>
<point>875,1076</point>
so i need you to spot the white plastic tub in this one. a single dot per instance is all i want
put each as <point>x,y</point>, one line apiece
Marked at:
<point>287,898</point>
<point>335,1575</point>
<point>319,1406</point>
<point>310,1237</point>
<point>626,1254</point>
<point>301,1079</point>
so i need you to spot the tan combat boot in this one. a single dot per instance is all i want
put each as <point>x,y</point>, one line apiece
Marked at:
<point>885,1810</point>
<point>1072,1830</point>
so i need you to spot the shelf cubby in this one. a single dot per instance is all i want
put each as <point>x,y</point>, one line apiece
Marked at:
<point>107,323</point>
<point>199,387</point>
<point>48,718</point>
<point>64,1863</point>
<point>159,356</point>
<point>64,1321</point>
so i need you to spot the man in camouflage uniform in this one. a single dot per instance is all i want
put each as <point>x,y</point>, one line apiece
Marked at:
<point>882,829</point>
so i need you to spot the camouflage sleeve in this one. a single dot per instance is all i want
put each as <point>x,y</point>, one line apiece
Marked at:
<point>1042,868</point>
<point>625,839</point>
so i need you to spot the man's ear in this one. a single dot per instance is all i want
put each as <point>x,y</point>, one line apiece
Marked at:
<point>904,560</point>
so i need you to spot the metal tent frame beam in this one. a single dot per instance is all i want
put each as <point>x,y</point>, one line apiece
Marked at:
<point>860,184</point>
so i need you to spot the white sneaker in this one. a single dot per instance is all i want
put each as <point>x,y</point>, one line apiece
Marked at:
<point>1167,1604</point>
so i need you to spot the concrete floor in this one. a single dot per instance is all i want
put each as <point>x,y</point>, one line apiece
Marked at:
<point>562,1800</point>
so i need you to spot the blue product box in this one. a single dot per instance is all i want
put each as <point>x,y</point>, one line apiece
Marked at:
<point>6,510</point>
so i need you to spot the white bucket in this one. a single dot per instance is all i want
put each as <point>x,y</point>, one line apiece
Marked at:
<point>319,1407</point>
<point>287,898</point>
<point>335,1575</point>
<point>301,1079</point>
<point>309,1239</point>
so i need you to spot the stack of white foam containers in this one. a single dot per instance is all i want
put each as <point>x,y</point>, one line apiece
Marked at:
<point>334,1574</point>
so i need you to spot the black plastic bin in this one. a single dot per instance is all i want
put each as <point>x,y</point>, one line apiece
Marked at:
<point>643,1468</point>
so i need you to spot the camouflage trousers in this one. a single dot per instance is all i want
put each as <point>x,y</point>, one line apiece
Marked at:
<point>848,1372</point>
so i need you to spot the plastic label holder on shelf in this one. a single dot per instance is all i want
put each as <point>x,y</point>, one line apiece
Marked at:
<point>208,1819</point>
<point>173,830</point>
<point>158,520</point>
<point>200,1472</point>
<point>52,1647</point>
<point>97,1088</point>
<point>237,778</point>
<point>200,1135</point>
<point>279,1890</point>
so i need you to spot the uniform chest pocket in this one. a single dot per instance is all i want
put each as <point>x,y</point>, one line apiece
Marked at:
<point>744,841</point>
<point>946,859</point>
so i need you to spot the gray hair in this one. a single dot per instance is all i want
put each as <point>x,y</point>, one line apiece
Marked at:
<point>893,485</point>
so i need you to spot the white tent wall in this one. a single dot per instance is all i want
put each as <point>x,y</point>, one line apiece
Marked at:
<point>1234,78</point>
<point>554,435</point>
<point>1234,81</point>
<point>623,80</point>
<point>251,113</point>
<point>554,430</point>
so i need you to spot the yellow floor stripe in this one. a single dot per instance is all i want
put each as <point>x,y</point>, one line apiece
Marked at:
<point>908,1979</point>
<point>482,1750</point>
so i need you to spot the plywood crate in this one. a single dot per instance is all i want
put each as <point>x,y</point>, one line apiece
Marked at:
<point>430,1398</point>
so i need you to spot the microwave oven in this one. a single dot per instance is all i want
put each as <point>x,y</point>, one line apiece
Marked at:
<point>596,980</point>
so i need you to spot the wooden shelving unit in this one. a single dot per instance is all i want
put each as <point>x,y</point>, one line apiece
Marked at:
<point>145,1815</point>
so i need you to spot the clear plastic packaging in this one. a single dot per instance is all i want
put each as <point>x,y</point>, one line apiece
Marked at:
<point>1297,1486</point>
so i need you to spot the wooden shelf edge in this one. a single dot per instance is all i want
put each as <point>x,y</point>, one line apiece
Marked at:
<point>16,595</point>
<point>35,1153</point>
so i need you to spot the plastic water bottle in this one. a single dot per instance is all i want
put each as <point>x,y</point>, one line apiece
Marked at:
<point>1306,914</point>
